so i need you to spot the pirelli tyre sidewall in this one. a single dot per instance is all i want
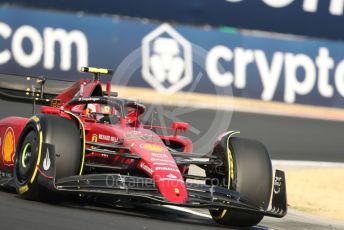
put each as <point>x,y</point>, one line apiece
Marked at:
<point>60,132</point>
<point>247,170</point>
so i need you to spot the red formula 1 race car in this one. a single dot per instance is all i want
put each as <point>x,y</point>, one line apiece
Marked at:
<point>89,142</point>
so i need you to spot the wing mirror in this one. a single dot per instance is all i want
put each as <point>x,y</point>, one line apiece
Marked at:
<point>178,125</point>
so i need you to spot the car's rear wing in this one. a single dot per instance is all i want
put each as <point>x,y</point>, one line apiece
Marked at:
<point>42,90</point>
<point>30,89</point>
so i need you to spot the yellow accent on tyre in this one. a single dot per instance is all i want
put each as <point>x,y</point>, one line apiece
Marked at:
<point>35,118</point>
<point>23,189</point>
<point>38,157</point>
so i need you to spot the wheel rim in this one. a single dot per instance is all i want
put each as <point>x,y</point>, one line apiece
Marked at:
<point>27,158</point>
<point>26,155</point>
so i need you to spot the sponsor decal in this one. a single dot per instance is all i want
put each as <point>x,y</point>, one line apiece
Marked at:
<point>107,109</point>
<point>89,99</point>
<point>8,146</point>
<point>153,148</point>
<point>142,136</point>
<point>166,169</point>
<point>160,163</point>
<point>107,138</point>
<point>162,160</point>
<point>172,176</point>
<point>146,168</point>
<point>47,161</point>
<point>136,132</point>
<point>159,155</point>
<point>277,185</point>
<point>170,179</point>
<point>166,59</point>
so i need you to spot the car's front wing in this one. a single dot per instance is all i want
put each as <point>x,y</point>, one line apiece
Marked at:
<point>200,196</point>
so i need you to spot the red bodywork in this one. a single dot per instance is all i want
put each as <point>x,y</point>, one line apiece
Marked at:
<point>156,160</point>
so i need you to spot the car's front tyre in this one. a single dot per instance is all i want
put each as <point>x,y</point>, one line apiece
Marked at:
<point>247,170</point>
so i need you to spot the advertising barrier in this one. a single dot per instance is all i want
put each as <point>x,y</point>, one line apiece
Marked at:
<point>316,18</point>
<point>172,58</point>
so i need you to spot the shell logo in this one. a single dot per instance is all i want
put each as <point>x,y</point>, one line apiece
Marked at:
<point>153,148</point>
<point>9,145</point>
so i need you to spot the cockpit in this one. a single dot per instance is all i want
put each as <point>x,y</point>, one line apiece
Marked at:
<point>108,110</point>
<point>102,113</point>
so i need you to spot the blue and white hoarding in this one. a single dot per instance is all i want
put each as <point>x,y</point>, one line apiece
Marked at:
<point>172,58</point>
<point>314,18</point>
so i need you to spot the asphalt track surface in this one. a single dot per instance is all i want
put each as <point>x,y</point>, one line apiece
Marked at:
<point>305,137</point>
<point>22,214</point>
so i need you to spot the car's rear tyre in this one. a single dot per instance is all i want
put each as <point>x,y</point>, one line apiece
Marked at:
<point>250,174</point>
<point>60,132</point>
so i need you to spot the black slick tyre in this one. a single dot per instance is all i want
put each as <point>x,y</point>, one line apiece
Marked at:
<point>60,132</point>
<point>247,170</point>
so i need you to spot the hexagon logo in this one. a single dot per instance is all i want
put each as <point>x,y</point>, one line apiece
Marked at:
<point>166,59</point>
